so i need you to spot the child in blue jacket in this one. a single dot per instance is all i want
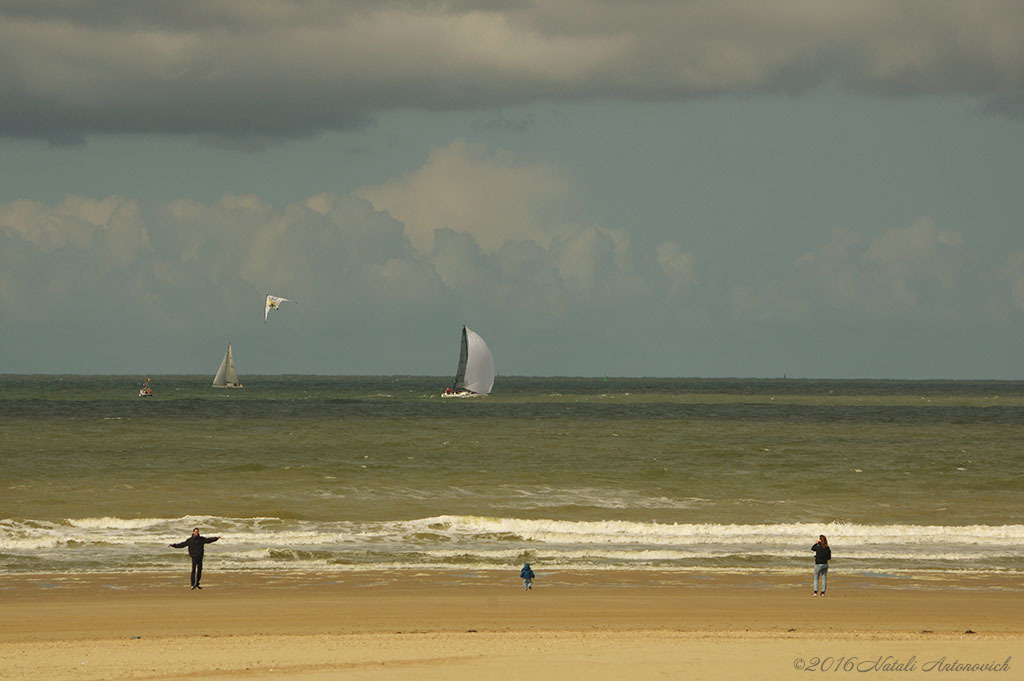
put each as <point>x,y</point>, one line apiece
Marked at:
<point>527,574</point>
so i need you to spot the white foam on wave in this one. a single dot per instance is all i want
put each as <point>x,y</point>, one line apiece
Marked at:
<point>460,541</point>
<point>625,532</point>
<point>280,532</point>
<point>453,527</point>
<point>22,544</point>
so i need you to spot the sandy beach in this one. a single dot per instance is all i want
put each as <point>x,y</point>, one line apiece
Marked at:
<point>444,625</point>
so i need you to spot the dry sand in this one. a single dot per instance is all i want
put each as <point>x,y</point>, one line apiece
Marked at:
<point>446,625</point>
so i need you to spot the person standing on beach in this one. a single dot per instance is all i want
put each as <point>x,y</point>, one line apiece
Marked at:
<point>196,546</point>
<point>527,574</point>
<point>822,555</point>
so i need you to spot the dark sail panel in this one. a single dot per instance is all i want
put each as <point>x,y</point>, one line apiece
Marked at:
<point>460,374</point>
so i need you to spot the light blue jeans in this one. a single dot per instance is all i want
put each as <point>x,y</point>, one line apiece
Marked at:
<point>820,570</point>
<point>527,582</point>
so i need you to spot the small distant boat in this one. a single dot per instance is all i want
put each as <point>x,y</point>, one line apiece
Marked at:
<point>147,389</point>
<point>226,376</point>
<point>475,375</point>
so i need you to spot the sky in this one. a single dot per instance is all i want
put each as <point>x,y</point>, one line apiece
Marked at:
<point>802,188</point>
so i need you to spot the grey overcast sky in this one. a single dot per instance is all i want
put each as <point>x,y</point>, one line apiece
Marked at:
<point>815,188</point>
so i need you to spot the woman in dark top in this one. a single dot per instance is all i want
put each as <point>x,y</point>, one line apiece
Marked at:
<point>822,555</point>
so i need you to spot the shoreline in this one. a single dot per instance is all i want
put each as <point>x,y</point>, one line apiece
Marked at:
<point>471,625</point>
<point>736,577</point>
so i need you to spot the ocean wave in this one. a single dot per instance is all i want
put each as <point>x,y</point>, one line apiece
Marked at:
<point>20,544</point>
<point>276,531</point>
<point>625,532</point>
<point>466,540</point>
<point>529,498</point>
<point>109,523</point>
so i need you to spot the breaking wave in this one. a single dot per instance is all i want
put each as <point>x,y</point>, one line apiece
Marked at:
<point>479,542</point>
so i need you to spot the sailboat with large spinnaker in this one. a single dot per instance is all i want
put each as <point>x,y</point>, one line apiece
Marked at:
<point>475,375</point>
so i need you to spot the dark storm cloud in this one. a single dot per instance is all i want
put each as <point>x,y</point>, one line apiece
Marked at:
<point>278,69</point>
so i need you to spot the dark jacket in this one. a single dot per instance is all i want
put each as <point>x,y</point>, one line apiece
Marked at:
<point>822,554</point>
<point>526,572</point>
<point>196,544</point>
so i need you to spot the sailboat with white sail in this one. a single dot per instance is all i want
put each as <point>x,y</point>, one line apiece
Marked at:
<point>475,375</point>
<point>226,376</point>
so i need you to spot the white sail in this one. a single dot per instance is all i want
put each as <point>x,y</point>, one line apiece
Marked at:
<point>273,303</point>
<point>226,376</point>
<point>475,375</point>
<point>479,365</point>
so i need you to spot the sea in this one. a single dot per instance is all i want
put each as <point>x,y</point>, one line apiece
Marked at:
<point>332,474</point>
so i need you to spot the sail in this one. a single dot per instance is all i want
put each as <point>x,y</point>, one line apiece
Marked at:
<point>460,373</point>
<point>226,376</point>
<point>273,303</point>
<point>476,364</point>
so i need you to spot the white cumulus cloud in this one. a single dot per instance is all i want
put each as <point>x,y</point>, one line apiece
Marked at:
<point>492,197</point>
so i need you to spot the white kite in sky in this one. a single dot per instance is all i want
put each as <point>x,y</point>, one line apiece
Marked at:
<point>274,302</point>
